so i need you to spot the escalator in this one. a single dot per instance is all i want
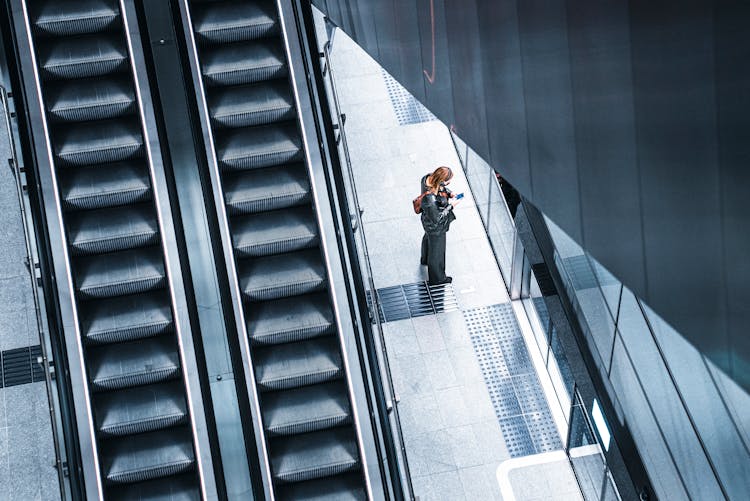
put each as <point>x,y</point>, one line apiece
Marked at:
<point>309,429</point>
<point>102,170</point>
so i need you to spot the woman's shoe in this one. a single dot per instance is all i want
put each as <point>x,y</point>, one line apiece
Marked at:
<point>446,280</point>
<point>423,262</point>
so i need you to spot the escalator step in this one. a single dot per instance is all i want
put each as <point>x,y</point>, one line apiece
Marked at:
<point>347,487</point>
<point>147,456</point>
<point>107,230</point>
<point>105,185</point>
<point>224,22</point>
<point>98,142</point>
<point>179,488</point>
<point>298,364</point>
<point>248,105</point>
<point>90,99</point>
<point>126,318</point>
<point>256,147</point>
<point>314,455</point>
<point>274,232</point>
<point>80,57</point>
<point>311,408</point>
<point>76,17</point>
<point>291,319</point>
<point>120,273</point>
<point>244,63</point>
<point>266,189</point>
<point>140,410</point>
<point>125,365</point>
<point>284,275</point>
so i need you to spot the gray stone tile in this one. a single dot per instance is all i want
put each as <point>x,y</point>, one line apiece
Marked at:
<point>491,441</point>
<point>420,414</point>
<point>14,330</point>
<point>466,365</point>
<point>422,487</point>
<point>430,453</point>
<point>453,329</point>
<point>410,376</point>
<point>400,338</point>
<point>480,482</point>
<point>376,114</point>
<point>20,404</point>
<point>446,487</point>
<point>439,368</point>
<point>465,444</point>
<point>4,456</point>
<point>477,399</point>
<point>453,407</point>
<point>428,334</point>
<point>360,90</point>
<point>384,272</point>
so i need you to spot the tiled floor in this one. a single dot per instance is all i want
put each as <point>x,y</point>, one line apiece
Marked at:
<point>27,460</point>
<point>453,435</point>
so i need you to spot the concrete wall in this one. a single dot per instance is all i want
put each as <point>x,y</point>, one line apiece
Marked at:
<point>626,122</point>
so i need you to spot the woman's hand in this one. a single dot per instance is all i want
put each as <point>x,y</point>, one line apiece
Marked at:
<point>455,202</point>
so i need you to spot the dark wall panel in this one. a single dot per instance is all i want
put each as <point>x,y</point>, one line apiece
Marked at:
<point>625,121</point>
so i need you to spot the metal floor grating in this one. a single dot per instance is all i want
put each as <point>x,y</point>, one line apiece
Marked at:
<point>408,110</point>
<point>414,300</point>
<point>515,390</point>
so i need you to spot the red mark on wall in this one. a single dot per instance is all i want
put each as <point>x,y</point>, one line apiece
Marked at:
<point>431,75</point>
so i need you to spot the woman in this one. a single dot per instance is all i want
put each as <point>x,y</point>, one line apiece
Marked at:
<point>437,215</point>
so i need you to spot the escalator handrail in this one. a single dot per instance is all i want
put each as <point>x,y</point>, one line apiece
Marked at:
<point>376,307</point>
<point>50,194</point>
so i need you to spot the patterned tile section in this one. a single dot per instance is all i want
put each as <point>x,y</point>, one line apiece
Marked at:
<point>414,300</point>
<point>408,109</point>
<point>515,391</point>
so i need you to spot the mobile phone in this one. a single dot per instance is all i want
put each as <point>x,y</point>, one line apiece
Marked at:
<point>459,196</point>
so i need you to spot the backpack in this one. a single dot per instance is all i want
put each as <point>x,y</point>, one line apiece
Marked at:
<point>417,203</point>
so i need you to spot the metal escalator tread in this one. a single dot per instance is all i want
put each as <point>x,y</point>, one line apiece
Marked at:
<point>225,22</point>
<point>126,318</point>
<point>80,57</point>
<point>318,454</point>
<point>346,487</point>
<point>124,365</point>
<point>140,410</point>
<point>107,230</point>
<point>75,17</point>
<point>244,62</point>
<point>292,365</point>
<point>262,146</point>
<point>90,99</point>
<point>102,141</point>
<point>147,456</point>
<point>290,319</point>
<point>262,190</point>
<point>306,409</point>
<point>179,488</point>
<point>256,104</point>
<point>108,185</point>
<point>120,273</point>
<point>282,275</point>
<point>274,232</point>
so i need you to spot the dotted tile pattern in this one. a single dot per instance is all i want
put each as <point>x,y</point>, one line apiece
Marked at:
<point>515,390</point>
<point>414,300</point>
<point>408,110</point>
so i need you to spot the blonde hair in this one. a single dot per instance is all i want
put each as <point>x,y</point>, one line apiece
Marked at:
<point>438,177</point>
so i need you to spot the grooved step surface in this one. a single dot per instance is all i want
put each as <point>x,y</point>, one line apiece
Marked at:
<point>80,57</point>
<point>126,318</point>
<point>243,63</point>
<point>141,362</point>
<point>274,232</point>
<point>120,273</point>
<point>306,409</point>
<point>108,230</point>
<point>105,185</point>
<point>91,99</point>
<point>314,455</point>
<point>98,142</point>
<point>290,319</point>
<point>298,364</point>
<point>246,105</point>
<point>256,147</point>
<point>141,409</point>
<point>266,189</point>
<point>283,275</point>
<point>75,17</point>
<point>226,22</point>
